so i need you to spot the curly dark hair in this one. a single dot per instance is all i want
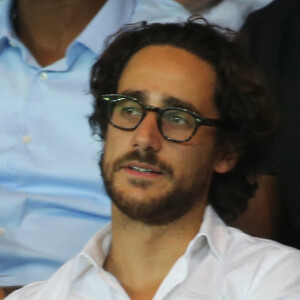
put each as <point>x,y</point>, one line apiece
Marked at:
<point>240,97</point>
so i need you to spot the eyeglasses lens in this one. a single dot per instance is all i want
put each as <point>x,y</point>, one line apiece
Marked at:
<point>177,125</point>
<point>125,113</point>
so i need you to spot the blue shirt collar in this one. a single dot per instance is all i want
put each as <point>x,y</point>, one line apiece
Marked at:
<point>5,22</point>
<point>107,21</point>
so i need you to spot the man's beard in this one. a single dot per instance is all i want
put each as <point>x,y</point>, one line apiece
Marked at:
<point>159,210</point>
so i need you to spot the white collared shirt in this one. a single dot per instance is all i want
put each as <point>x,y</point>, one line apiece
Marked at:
<point>220,263</point>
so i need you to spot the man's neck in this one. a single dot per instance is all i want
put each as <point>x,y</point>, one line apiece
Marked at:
<point>47,27</point>
<point>141,256</point>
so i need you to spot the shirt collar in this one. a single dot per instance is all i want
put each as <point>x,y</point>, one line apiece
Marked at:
<point>107,21</point>
<point>6,30</point>
<point>94,252</point>
<point>213,229</point>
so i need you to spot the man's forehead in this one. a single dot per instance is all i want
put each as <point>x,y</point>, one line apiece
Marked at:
<point>178,76</point>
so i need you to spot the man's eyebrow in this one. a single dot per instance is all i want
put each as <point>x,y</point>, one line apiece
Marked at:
<point>140,95</point>
<point>168,101</point>
<point>175,102</point>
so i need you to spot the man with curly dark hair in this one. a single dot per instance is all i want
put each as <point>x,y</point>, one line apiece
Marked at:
<point>184,120</point>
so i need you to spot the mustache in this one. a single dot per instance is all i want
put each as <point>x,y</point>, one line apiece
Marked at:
<point>146,157</point>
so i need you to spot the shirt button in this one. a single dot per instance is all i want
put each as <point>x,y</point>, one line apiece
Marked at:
<point>2,231</point>
<point>44,76</point>
<point>27,139</point>
<point>12,43</point>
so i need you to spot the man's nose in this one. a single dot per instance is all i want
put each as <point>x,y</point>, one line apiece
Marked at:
<point>147,136</point>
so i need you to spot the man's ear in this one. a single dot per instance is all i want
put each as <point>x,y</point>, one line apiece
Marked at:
<point>226,160</point>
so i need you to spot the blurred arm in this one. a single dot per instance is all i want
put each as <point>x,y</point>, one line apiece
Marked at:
<point>1,294</point>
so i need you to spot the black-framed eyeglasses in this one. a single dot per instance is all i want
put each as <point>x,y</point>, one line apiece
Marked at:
<point>175,124</point>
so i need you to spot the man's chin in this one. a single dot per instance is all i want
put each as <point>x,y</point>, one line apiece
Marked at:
<point>151,207</point>
<point>143,211</point>
<point>141,192</point>
<point>141,183</point>
<point>150,201</point>
<point>143,188</point>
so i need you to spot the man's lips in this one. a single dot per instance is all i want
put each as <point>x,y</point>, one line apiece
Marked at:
<point>141,169</point>
<point>143,163</point>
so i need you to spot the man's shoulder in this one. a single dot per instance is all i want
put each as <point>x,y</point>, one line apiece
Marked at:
<point>56,287</point>
<point>248,251</point>
<point>234,245</point>
<point>240,239</point>
<point>267,269</point>
<point>61,283</point>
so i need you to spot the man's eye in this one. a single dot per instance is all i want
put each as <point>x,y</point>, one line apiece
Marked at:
<point>178,119</point>
<point>130,111</point>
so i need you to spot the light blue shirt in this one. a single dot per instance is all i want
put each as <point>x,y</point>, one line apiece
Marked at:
<point>52,198</point>
<point>229,13</point>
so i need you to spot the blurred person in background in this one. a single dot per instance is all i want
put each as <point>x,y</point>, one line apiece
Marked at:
<point>273,40</point>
